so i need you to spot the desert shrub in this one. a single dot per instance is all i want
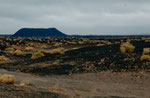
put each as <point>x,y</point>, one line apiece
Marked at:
<point>108,43</point>
<point>146,51</point>
<point>145,58</point>
<point>29,49</point>
<point>58,50</point>
<point>25,83</point>
<point>10,49</point>
<point>7,79</point>
<point>43,51</point>
<point>57,44</point>
<point>37,55</point>
<point>3,58</point>
<point>44,46</point>
<point>15,47</point>
<point>126,48</point>
<point>19,52</point>
<point>100,44</point>
<point>81,42</point>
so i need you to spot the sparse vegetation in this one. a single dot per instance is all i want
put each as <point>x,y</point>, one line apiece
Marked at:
<point>146,51</point>
<point>100,44</point>
<point>37,55</point>
<point>19,53</point>
<point>3,58</point>
<point>7,79</point>
<point>127,47</point>
<point>29,49</point>
<point>10,49</point>
<point>145,58</point>
<point>145,55</point>
<point>58,50</point>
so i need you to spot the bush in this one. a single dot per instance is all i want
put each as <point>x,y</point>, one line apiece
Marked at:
<point>146,51</point>
<point>100,44</point>
<point>126,48</point>
<point>145,58</point>
<point>29,49</point>
<point>7,79</point>
<point>19,52</point>
<point>10,49</point>
<point>3,58</point>
<point>44,46</point>
<point>37,55</point>
<point>58,50</point>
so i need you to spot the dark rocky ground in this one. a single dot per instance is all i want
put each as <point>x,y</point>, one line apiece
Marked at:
<point>87,58</point>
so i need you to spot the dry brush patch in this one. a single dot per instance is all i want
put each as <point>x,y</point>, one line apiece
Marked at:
<point>37,55</point>
<point>7,79</point>
<point>146,55</point>
<point>29,49</point>
<point>19,53</point>
<point>3,58</point>
<point>58,50</point>
<point>127,47</point>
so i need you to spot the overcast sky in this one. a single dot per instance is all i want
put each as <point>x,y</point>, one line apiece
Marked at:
<point>101,17</point>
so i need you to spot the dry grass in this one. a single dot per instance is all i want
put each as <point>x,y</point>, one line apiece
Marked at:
<point>58,50</point>
<point>19,53</point>
<point>145,58</point>
<point>146,51</point>
<point>127,48</point>
<point>29,49</point>
<point>7,79</point>
<point>37,55</point>
<point>3,58</point>
<point>25,83</point>
<point>44,46</point>
<point>10,49</point>
<point>100,44</point>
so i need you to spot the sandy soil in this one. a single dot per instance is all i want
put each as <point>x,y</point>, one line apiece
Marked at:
<point>90,85</point>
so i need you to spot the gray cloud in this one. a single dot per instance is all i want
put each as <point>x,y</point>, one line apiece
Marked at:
<point>77,16</point>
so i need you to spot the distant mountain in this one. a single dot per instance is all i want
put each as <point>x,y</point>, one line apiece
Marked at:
<point>39,32</point>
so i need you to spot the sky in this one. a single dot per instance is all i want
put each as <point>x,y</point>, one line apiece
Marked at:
<point>81,17</point>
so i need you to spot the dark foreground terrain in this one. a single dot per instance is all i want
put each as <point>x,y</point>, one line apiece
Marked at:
<point>76,67</point>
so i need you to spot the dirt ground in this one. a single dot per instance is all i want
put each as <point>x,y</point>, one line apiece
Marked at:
<point>88,85</point>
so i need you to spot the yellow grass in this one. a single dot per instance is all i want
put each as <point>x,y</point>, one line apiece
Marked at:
<point>37,55</point>
<point>7,79</point>
<point>127,48</point>
<point>3,58</point>
<point>19,52</point>
<point>29,49</point>
<point>58,50</point>
<point>146,51</point>
<point>145,58</point>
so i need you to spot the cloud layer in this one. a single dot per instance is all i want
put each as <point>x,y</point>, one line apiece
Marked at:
<point>102,17</point>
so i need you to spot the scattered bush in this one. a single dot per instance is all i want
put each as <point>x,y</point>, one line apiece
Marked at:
<point>100,44</point>
<point>19,52</point>
<point>126,48</point>
<point>29,49</point>
<point>37,55</point>
<point>3,58</point>
<point>58,50</point>
<point>146,51</point>
<point>44,46</point>
<point>25,83</point>
<point>10,49</point>
<point>145,58</point>
<point>43,51</point>
<point>7,79</point>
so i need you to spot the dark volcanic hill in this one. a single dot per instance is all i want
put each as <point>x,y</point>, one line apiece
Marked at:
<point>39,32</point>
